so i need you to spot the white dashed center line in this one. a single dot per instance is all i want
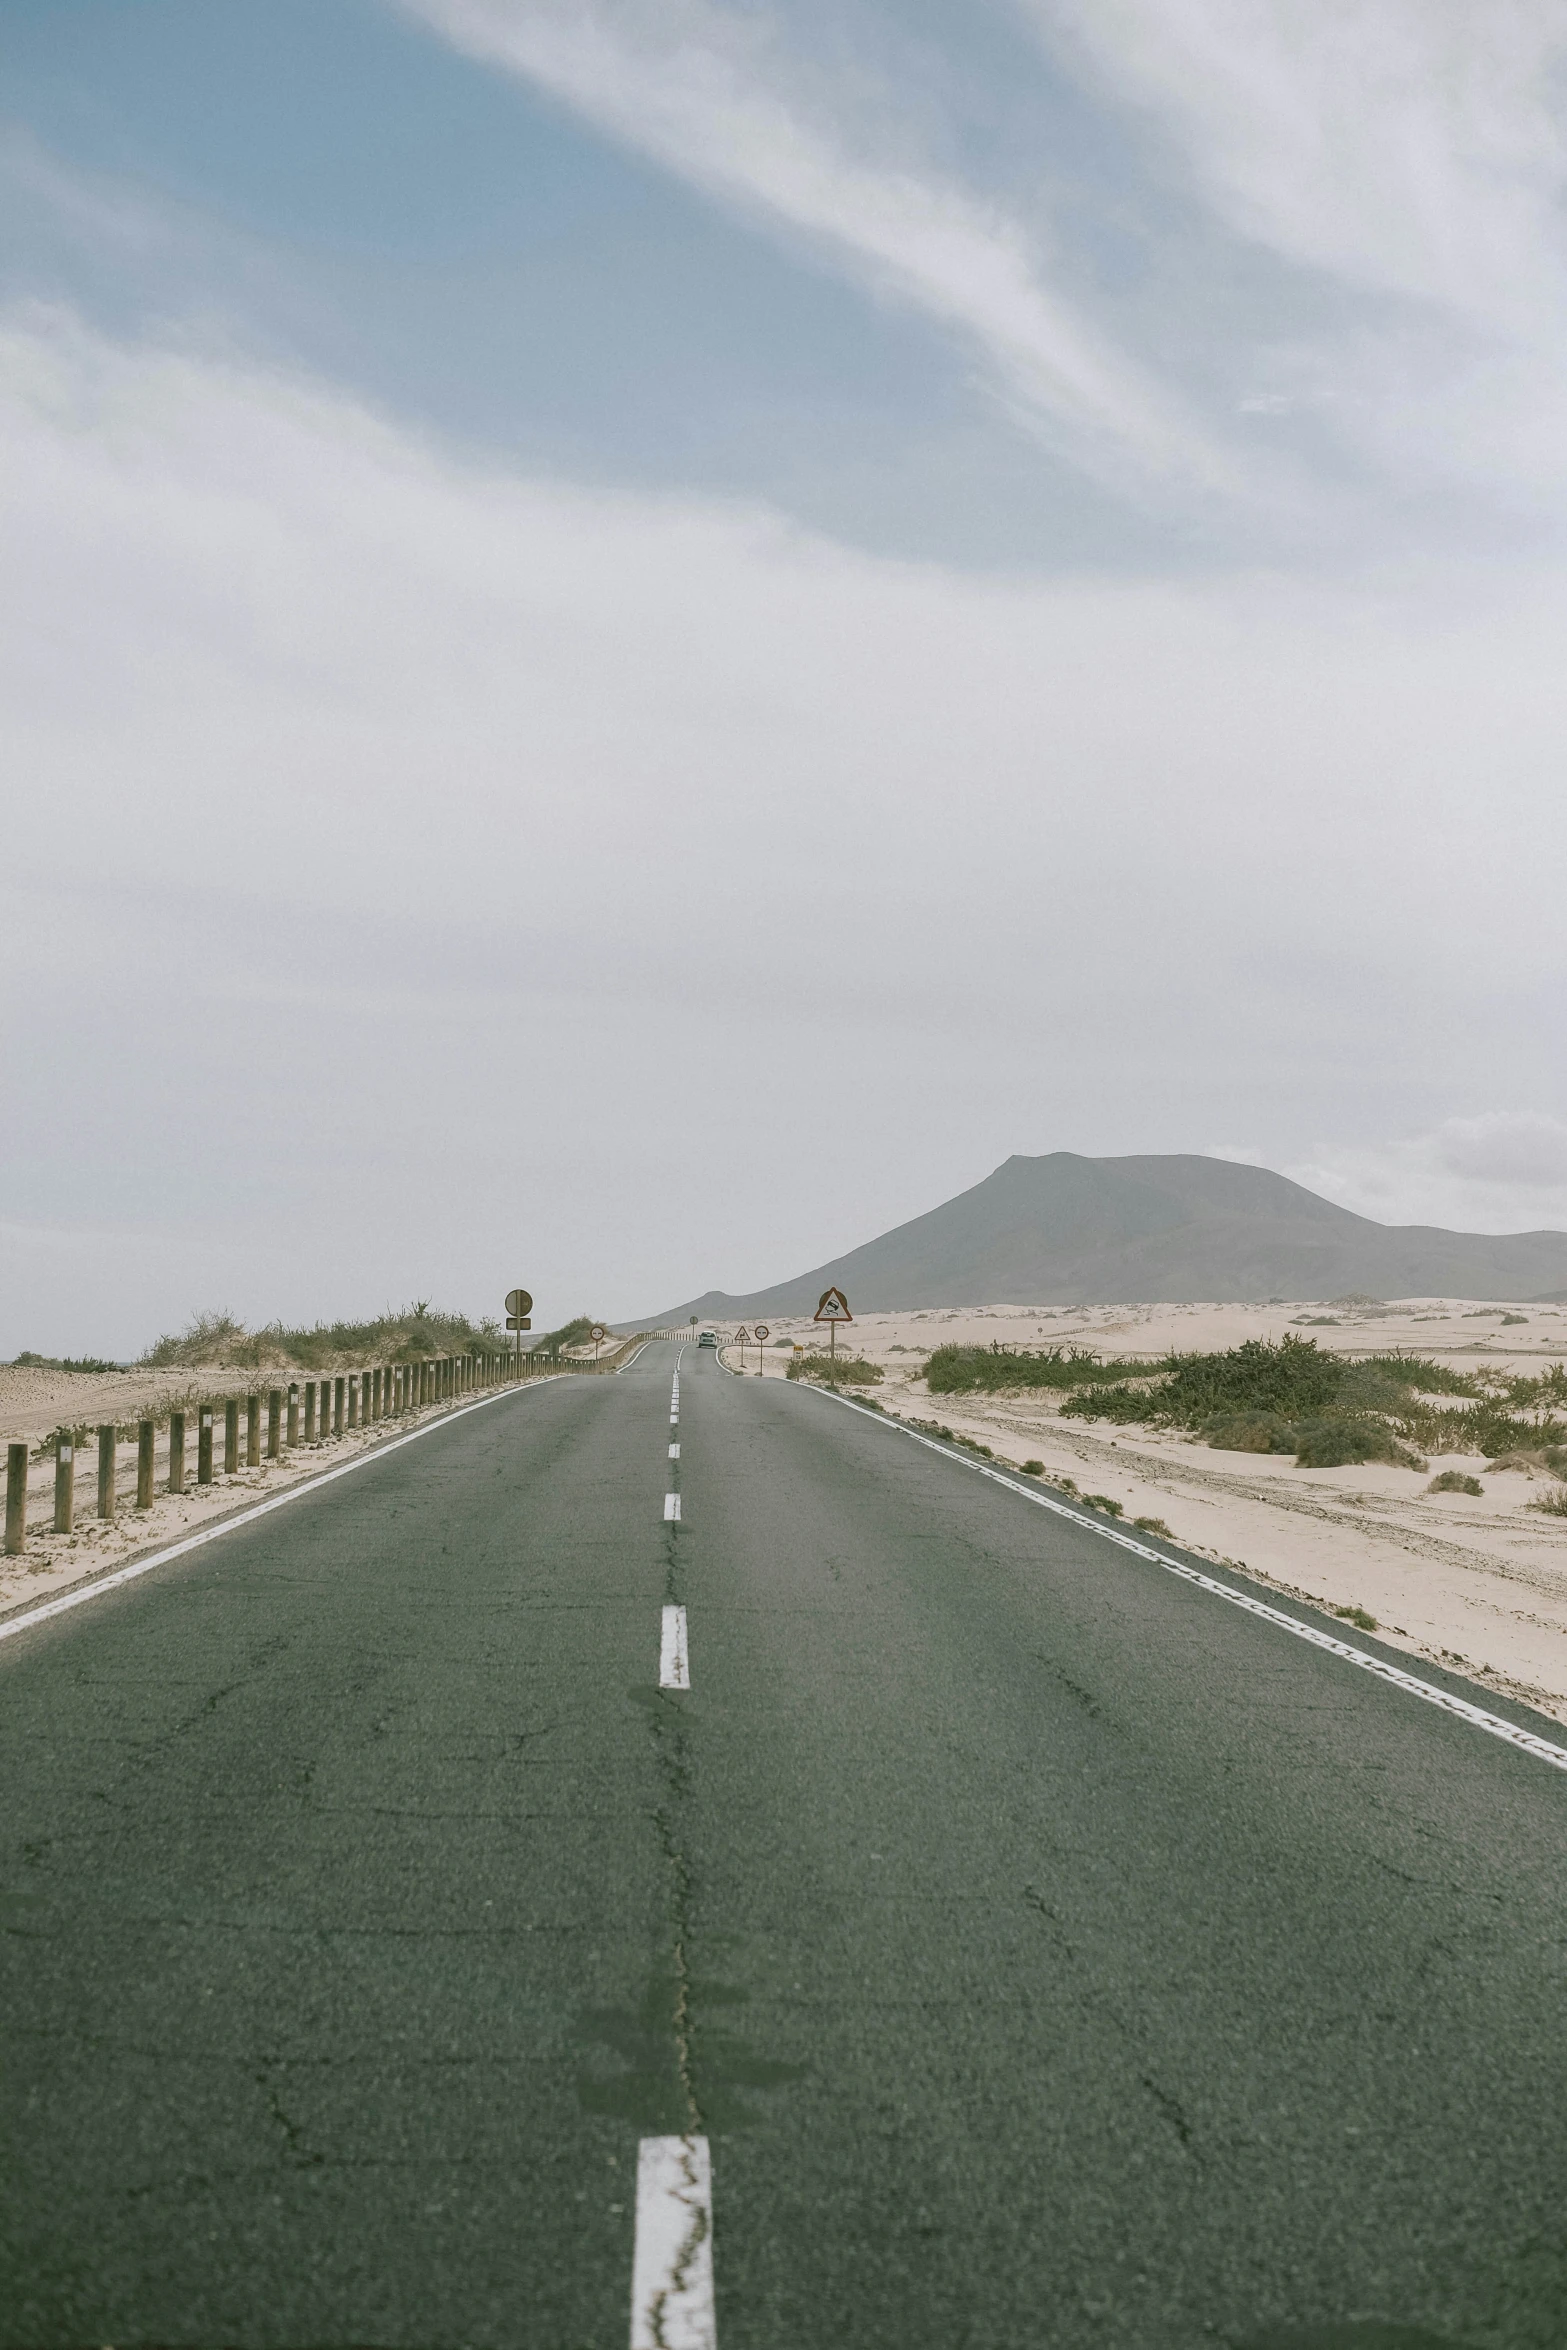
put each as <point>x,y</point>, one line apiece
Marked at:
<point>671,1508</point>
<point>674,1452</point>
<point>674,1665</point>
<point>672,2267</point>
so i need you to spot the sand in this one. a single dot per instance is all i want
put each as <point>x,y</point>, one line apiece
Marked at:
<point>1479,1585</point>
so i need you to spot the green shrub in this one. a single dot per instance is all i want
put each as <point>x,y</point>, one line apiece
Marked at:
<point>27,1361</point>
<point>994,1369</point>
<point>836,1370</point>
<point>1554,1504</point>
<point>1359,1616</point>
<point>219,1340</point>
<point>1421,1374</point>
<point>1455,1481</point>
<point>1250,1432</point>
<point>1487,1429</point>
<point>1340,1439</point>
<point>1102,1501</point>
<point>1290,1379</point>
<point>1153,1526</point>
<point>1033,1468</point>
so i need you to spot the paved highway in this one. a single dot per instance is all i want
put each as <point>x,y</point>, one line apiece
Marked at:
<point>486,1902</point>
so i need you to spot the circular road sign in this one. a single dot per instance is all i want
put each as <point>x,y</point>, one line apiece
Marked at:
<point>761,1333</point>
<point>518,1302</point>
<point>599,1331</point>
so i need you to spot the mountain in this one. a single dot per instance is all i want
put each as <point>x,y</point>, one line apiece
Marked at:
<point>1065,1230</point>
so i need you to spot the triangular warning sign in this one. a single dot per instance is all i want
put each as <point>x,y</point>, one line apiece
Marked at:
<point>832,1306</point>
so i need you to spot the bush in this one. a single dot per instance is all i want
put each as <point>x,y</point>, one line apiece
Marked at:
<point>836,1370</point>
<point>1455,1481</point>
<point>219,1341</point>
<point>1102,1501</point>
<point>27,1361</point>
<point>1359,1616</point>
<point>1554,1504</point>
<point>993,1369</point>
<point>1250,1432</point>
<point>1153,1526</point>
<point>1290,1379</point>
<point>1340,1439</point>
<point>1033,1468</point>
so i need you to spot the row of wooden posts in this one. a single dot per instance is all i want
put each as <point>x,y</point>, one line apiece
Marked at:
<point>330,1406</point>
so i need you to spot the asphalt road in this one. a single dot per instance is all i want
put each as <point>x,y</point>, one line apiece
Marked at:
<point>1047,1952</point>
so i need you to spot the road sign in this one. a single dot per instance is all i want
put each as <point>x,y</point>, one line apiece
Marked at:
<point>761,1333</point>
<point>599,1331</point>
<point>832,1306</point>
<point>519,1321</point>
<point>742,1336</point>
<point>518,1302</point>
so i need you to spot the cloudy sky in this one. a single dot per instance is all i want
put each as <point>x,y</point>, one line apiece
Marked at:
<point>639,635</point>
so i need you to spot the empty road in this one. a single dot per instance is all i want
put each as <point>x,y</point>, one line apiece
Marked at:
<point>652,1855</point>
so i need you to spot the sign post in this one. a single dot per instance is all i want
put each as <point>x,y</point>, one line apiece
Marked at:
<point>519,1310</point>
<point>742,1341</point>
<point>599,1336</point>
<point>832,1307</point>
<point>761,1341</point>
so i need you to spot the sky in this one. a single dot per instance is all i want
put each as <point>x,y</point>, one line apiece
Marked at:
<point>638,636</point>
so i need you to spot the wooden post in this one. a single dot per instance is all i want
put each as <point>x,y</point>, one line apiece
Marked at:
<point>364,1399</point>
<point>293,1413</point>
<point>15,1499</point>
<point>253,1431</point>
<point>337,1407</point>
<point>375,1395</point>
<point>64,1481</point>
<point>146,1452</point>
<point>274,1421</point>
<point>352,1420</point>
<point>310,1411</point>
<point>176,1452</point>
<point>106,1457</point>
<point>204,1445</point>
<point>231,1436</point>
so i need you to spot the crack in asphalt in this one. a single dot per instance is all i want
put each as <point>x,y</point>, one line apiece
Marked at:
<point>1168,2106</point>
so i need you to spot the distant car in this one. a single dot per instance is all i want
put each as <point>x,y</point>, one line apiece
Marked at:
<point>708,1338</point>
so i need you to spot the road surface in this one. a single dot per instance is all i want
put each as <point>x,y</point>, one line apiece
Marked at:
<point>854,1903</point>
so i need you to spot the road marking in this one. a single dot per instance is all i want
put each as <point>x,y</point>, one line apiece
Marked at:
<point>79,1596</point>
<point>674,1663</point>
<point>1494,1725</point>
<point>671,1508</point>
<point>672,2266</point>
<point>674,1452</point>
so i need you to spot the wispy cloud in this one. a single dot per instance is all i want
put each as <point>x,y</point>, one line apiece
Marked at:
<point>1411,147</point>
<point>721,98</point>
<point>1410,154</point>
<point>1383,178</point>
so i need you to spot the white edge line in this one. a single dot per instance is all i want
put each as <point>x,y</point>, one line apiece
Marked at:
<point>1525,1740</point>
<point>159,1558</point>
<point>631,1358</point>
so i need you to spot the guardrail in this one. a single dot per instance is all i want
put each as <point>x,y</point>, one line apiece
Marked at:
<point>267,1422</point>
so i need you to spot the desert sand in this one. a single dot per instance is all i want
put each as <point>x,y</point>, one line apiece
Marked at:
<point>1476,1584</point>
